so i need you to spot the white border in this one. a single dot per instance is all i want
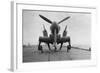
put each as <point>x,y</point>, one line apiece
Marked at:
<point>17,64</point>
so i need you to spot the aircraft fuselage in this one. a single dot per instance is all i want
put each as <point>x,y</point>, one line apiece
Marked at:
<point>54,27</point>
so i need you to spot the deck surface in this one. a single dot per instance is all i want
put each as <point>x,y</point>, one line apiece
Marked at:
<point>31,54</point>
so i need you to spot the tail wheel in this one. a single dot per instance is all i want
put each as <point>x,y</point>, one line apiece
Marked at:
<point>55,48</point>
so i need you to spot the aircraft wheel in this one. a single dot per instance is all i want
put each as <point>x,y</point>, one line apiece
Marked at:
<point>40,48</point>
<point>68,48</point>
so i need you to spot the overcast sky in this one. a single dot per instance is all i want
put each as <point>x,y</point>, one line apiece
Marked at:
<point>79,26</point>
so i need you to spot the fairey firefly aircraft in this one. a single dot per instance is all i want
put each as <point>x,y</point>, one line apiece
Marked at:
<point>54,38</point>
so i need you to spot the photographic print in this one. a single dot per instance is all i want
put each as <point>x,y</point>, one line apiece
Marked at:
<point>52,35</point>
<point>55,35</point>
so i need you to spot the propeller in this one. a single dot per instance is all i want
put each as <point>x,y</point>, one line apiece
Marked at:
<point>64,19</point>
<point>45,19</point>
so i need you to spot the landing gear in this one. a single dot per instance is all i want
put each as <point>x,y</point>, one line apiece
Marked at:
<point>64,40</point>
<point>61,46</point>
<point>49,46</point>
<point>68,48</point>
<point>40,47</point>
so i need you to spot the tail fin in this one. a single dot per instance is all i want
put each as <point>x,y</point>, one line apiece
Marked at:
<point>65,32</point>
<point>65,28</point>
<point>44,27</point>
<point>45,32</point>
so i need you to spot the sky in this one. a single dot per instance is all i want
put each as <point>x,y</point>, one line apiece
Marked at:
<point>78,26</point>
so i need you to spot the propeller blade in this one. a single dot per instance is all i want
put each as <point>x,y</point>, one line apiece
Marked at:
<point>64,19</point>
<point>46,19</point>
